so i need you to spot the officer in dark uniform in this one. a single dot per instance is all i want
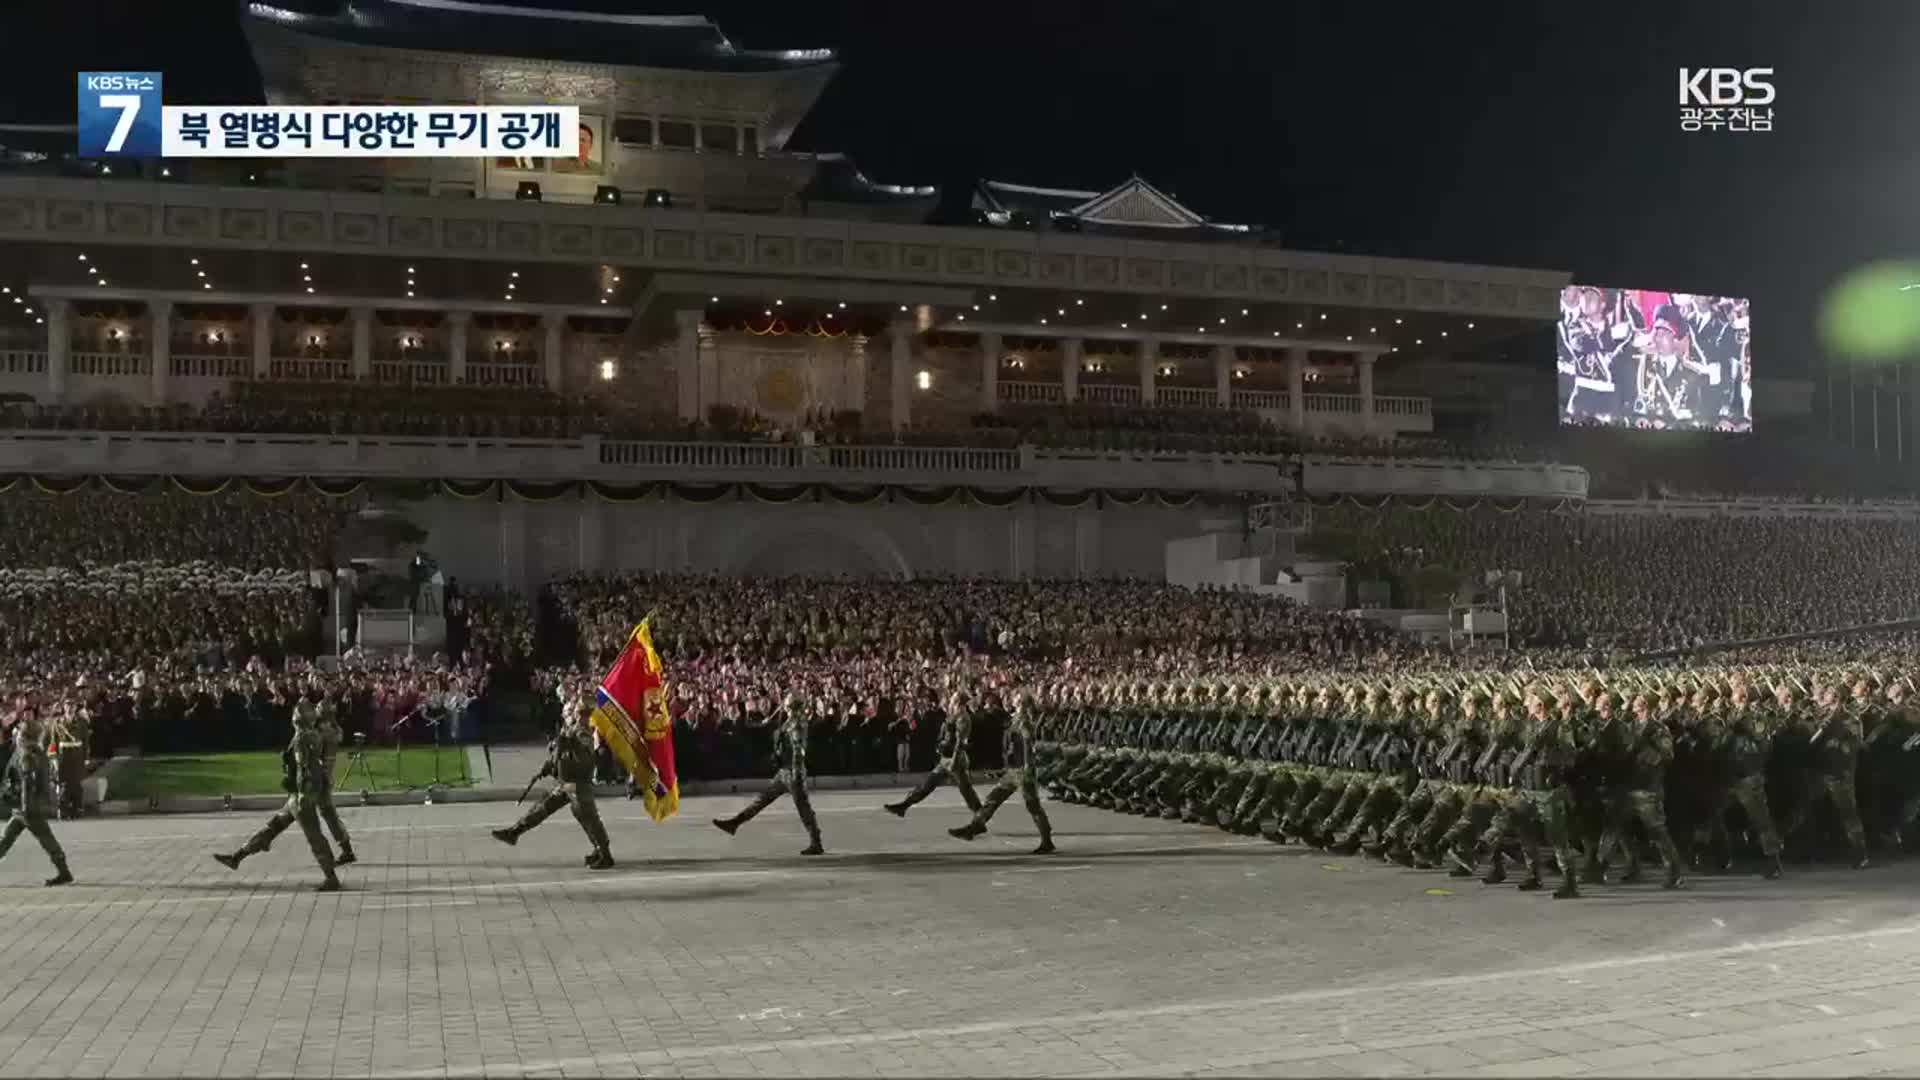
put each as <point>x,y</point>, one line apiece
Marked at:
<point>305,762</point>
<point>789,778</point>
<point>1016,775</point>
<point>31,776</point>
<point>570,760</point>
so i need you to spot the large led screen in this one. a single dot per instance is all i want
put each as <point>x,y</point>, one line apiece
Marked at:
<point>1654,360</point>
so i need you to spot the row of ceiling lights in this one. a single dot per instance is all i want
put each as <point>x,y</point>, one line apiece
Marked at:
<point>20,301</point>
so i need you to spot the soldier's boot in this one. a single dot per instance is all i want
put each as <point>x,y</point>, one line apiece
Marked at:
<point>508,836</point>
<point>1273,835</point>
<point>1462,866</point>
<point>600,860</point>
<point>61,875</point>
<point>971,830</point>
<point>346,857</point>
<point>727,825</point>
<point>1595,871</point>
<point>1498,873</point>
<point>898,809</point>
<point>1046,843</point>
<point>1569,880</point>
<point>1673,880</point>
<point>328,884</point>
<point>231,862</point>
<point>814,848</point>
<point>1774,869</point>
<point>1349,846</point>
<point>1860,859</point>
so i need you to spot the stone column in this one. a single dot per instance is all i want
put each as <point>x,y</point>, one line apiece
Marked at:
<point>900,359</point>
<point>1364,367</point>
<point>362,343</point>
<point>457,323</point>
<point>262,341</point>
<point>686,360</point>
<point>59,345</point>
<point>1072,352</point>
<point>553,351</point>
<point>160,337</point>
<point>1149,363</point>
<point>992,348</point>
<point>1297,388</point>
<point>1223,375</point>
<point>855,375</point>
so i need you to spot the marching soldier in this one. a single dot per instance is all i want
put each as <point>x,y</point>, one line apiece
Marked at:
<point>790,778</point>
<point>955,731</point>
<point>570,761</point>
<point>1641,794</point>
<point>305,763</point>
<point>1016,774</point>
<point>325,721</point>
<point>31,776</point>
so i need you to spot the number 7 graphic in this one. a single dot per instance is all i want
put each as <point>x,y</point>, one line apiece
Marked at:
<point>129,106</point>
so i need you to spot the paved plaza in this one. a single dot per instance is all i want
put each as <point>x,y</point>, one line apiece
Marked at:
<point>1143,948</point>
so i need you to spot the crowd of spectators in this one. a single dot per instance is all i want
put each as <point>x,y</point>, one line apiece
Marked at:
<point>778,618</point>
<point>163,705</point>
<point>1650,579</point>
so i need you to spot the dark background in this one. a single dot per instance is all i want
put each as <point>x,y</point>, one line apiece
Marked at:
<point>1520,133</point>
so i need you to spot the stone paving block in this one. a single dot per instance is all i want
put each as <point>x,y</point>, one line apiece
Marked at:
<point>1146,948</point>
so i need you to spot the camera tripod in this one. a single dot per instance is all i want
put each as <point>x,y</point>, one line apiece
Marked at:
<point>357,761</point>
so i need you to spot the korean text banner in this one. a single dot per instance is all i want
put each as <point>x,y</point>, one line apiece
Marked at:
<point>1659,361</point>
<point>378,131</point>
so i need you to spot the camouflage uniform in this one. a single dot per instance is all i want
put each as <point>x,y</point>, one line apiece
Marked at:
<point>305,759</point>
<point>955,733</point>
<point>1016,775</point>
<point>326,724</point>
<point>31,776</point>
<point>790,778</point>
<point>571,761</point>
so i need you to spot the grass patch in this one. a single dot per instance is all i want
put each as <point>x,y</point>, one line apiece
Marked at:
<point>258,773</point>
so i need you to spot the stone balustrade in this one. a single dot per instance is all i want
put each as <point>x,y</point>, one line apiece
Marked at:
<point>68,453</point>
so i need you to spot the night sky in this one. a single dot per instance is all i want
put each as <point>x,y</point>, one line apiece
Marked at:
<point>1517,133</point>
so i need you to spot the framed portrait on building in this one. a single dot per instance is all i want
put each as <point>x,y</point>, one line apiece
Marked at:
<point>592,148</point>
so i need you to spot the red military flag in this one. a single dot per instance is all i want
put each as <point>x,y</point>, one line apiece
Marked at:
<point>630,712</point>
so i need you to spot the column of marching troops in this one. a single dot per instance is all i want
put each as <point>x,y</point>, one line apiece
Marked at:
<point>1465,771</point>
<point>1444,770</point>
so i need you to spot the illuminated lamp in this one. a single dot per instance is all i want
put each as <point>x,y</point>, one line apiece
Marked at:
<point>658,198</point>
<point>528,191</point>
<point>607,195</point>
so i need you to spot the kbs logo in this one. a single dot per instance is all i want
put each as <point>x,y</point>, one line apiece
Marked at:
<point>119,114</point>
<point>1726,99</point>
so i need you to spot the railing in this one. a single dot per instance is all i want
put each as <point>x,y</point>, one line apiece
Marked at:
<point>411,372</point>
<point>1333,403</point>
<point>23,362</point>
<point>211,366</point>
<point>1275,400</point>
<point>510,373</point>
<point>1110,393</point>
<point>310,369</point>
<point>99,363</point>
<point>1187,396</point>
<point>1402,406</point>
<point>1028,393</point>
<point>754,456</point>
